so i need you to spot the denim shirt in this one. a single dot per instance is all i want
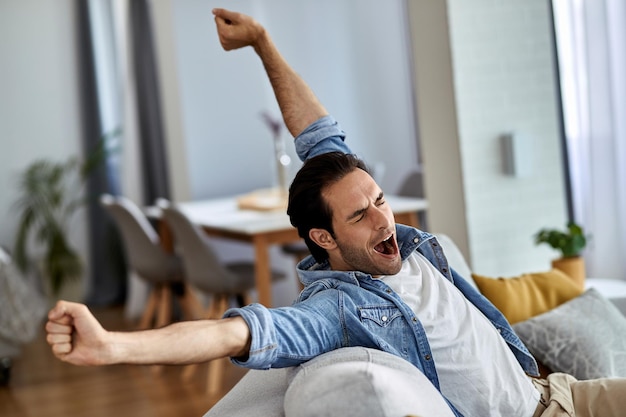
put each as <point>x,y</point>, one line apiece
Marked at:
<point>350,308</point>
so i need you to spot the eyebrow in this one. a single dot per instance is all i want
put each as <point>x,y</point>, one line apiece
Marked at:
<point>359,212</point>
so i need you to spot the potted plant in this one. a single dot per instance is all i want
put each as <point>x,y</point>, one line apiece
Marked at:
<point>49,194</point>
<point>570,243</point>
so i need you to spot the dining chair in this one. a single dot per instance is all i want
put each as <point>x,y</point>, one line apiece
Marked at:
<point>224,283</point>
<point>413,186</point>
<point>150,261</point>
<point>299,251</point>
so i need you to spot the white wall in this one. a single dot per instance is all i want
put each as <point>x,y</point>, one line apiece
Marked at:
<point>359,69</point>
<point>504,76</point>
<point>501,59</point>
<point>39,108</point>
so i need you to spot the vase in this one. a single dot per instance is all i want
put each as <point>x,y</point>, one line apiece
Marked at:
<point>573,267</point>
<point>282,165</point>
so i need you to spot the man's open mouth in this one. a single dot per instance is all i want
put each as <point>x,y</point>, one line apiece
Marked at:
<point>387,246</point>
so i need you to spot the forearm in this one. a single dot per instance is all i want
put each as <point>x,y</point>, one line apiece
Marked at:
<point>181,343</point>
<point>298,104</point>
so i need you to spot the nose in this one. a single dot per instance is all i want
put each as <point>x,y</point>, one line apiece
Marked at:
<point>381,218</point>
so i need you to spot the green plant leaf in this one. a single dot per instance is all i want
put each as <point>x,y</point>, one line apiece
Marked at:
<point>570,242</point>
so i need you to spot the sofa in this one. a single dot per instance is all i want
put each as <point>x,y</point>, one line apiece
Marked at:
<point>566,328</point>
<point>22,310</point>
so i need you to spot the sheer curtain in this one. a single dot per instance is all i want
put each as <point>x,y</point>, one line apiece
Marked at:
<point>591,39</point>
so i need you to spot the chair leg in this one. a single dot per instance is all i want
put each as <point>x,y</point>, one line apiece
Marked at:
<point>192,308</point>
<point>164,315</point>
<point>215,372</point>
<point>149,311</point>
<point>190,370</point>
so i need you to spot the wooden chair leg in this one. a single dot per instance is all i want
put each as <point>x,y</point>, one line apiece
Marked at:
<point>149,312</point>
<point>190,370</point>
<point>215,371</point>
<point>192,307</point>
<point>164,315</point>
<point>215,375</point>
<point>216,367</point>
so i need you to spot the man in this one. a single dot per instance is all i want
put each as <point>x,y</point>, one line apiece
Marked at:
<point>369,283</point>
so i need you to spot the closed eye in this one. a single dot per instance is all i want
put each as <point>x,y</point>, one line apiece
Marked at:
<point>380,200</point>
<point>359,215</point>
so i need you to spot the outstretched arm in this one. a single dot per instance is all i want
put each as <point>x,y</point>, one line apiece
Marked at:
<point>78,338</point>
<point>298,104</point>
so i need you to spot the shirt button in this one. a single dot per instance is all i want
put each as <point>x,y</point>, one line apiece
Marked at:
<point>416,239</point>
<point>384,318</point>
<point>427,357</point>
<point>388,291</point>
<point>414,319</point>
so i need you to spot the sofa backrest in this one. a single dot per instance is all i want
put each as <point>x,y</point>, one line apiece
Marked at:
<point>455,258</point>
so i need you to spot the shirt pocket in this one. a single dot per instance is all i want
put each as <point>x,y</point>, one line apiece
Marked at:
<point>380,316</point>
<point>387,328</point>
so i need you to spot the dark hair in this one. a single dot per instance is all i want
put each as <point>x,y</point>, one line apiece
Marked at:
<point>307,208</point>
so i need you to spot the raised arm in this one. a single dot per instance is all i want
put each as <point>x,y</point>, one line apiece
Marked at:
<point>298,104</point>
<point>78,338</point>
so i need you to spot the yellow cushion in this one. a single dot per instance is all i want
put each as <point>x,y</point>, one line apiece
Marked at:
<point>520,298</point>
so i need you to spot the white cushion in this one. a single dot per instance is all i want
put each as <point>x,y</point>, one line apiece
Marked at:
<point>358,381</point>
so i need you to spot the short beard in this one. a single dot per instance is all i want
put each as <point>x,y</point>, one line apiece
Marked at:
<point>359,261</point>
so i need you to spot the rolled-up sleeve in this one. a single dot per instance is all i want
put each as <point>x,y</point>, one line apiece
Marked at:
<point>322,136</point>
<point>288,336</point>
<point>263,348</point>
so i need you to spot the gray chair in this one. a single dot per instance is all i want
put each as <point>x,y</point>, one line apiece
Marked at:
<point>146,256</point>
<point>413,186</point>
<point>223,282</point>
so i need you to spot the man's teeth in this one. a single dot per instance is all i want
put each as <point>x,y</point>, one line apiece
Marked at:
<point>386,246</point>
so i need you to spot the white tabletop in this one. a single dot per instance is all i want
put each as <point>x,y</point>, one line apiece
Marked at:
<point>610,288</point>
<point>224,214</point>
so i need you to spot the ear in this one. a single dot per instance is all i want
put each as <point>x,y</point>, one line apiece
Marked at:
<point>322,238</point>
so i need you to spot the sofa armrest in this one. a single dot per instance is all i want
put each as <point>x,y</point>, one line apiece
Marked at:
<point>258,393</point>
<point>346,381</point>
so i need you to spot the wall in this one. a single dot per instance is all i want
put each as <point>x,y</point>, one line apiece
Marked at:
<point>359,70</point>
<point>39,109</point>
<point>502,67</point>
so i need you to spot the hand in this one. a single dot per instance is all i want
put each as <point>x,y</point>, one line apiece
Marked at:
<point>75,335</point>
<point>237,30</point>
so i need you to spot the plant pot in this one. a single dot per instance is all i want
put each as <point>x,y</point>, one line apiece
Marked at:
<point>573,267</point>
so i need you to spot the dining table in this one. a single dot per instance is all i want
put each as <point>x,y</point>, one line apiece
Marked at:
<point>262,228</point>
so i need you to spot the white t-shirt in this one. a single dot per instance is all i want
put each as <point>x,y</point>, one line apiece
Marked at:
<point>477,371</point>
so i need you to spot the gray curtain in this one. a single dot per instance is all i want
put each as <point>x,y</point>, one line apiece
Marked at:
<point>106,283</point>
<point>152,144</point>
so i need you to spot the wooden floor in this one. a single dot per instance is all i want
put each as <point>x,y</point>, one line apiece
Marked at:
<point>41,385</point>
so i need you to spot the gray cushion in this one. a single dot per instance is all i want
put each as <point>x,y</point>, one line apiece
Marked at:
<point>362,382</point>
<point>258,393</point>
<point>584,337</point>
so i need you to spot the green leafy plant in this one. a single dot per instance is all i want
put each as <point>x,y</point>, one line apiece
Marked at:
<point>49,194</point>
<point>570,242</point>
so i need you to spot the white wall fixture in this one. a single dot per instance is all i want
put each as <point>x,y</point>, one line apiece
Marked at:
<point>517,154</point>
